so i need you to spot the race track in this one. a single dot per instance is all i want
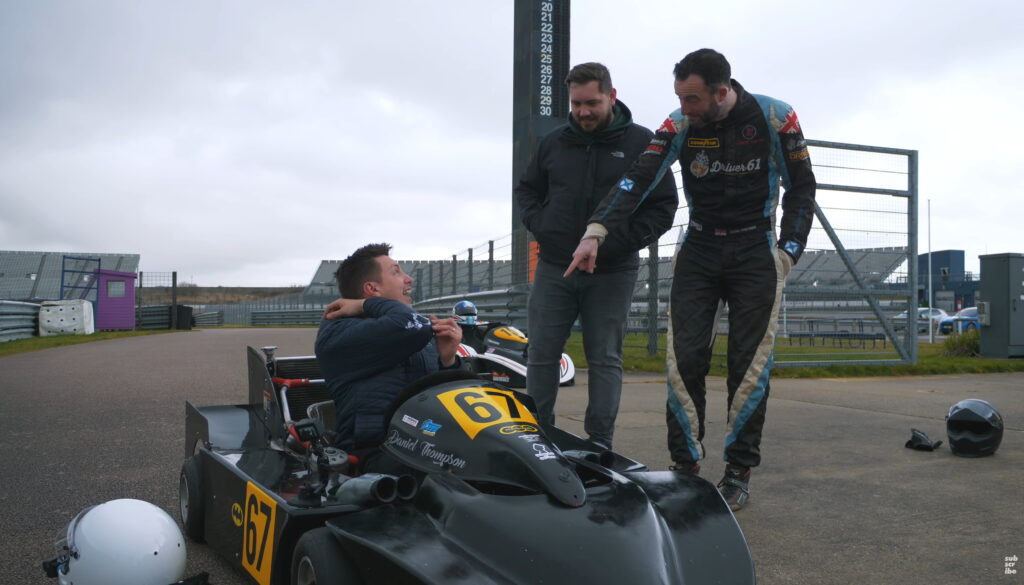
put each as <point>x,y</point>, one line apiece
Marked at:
<point>838,499</point>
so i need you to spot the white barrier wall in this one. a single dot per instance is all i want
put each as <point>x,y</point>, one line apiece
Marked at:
<point>66,317</point>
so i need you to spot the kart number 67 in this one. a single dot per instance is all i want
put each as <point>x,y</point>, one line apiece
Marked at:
<point>478,408</point>
<point>258,533</point>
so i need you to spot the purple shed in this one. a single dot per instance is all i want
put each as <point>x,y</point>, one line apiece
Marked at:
<point>115,300</point>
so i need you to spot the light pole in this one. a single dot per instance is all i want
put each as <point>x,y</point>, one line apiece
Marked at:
<point>931,332</point>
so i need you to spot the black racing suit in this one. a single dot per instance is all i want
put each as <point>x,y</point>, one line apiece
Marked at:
<point>731,174</point>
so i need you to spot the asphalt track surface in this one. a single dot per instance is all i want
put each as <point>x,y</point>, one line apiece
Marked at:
<point>837,500</point>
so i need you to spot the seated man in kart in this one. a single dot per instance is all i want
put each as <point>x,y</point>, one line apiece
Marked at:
<point>371,345</point>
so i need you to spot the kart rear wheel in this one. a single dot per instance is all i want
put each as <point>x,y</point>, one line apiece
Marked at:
<point>320,560</point>
<point>190,499</point>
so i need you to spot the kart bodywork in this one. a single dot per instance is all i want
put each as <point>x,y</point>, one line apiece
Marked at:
<point>493,497</point>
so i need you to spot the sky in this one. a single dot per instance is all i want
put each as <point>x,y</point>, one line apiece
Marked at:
<point>240,143</point>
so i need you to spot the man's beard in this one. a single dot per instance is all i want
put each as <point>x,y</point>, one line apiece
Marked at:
<point>708,117</point>
<point>599,125</point>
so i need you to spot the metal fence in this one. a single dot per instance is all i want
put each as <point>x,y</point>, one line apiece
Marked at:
<point>18,320</point>
<point>840,305</point>
<point>506,305</point>
<point>859,270</point>
<point>487,267</point>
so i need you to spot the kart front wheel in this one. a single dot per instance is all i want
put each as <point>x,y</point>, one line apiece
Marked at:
<point>320,560</point>
<point>190,499</point>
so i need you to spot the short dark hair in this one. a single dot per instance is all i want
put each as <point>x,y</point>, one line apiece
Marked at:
<point>359,268</point>
<point>584,73</point>
<point>708,64</point>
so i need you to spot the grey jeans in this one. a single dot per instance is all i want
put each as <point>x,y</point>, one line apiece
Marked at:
<point>601,301</point>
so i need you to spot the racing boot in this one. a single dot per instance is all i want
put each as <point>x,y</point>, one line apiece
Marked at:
<point>735,486</point>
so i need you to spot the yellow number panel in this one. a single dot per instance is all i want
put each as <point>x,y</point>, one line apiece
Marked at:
<point>475,409</point>
<point>258,533</point>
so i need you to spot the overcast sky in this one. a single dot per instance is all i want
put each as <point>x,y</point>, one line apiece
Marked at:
<point>239,143</point>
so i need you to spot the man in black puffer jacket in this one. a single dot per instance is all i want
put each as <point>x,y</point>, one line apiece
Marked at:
<point>574,168</point>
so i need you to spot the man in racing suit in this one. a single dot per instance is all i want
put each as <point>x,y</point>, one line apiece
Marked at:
<point>371,345</point>
<point>573,169</point>
<point>734,148</point>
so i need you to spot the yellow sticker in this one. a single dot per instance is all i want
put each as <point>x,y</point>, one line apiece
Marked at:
<point>236,514</point>
<point>515,429</point>
<point>702,142</point>
<point>475,409</point>
<point>258,533</point>
<point>510,333</point>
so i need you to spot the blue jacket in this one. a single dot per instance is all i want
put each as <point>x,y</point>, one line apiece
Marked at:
<point>367,361</point>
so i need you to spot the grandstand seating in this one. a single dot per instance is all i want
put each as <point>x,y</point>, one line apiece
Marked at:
<point>323,284</point>
<point>37,275</point>
<point>826,267</point>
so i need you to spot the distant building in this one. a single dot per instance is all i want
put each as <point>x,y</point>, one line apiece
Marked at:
<point>953,288</point>
<point>432,278</point>
<point>42,275</point>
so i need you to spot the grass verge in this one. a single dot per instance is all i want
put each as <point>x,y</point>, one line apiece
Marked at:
<point>38,343</point>
<point>932,359</point>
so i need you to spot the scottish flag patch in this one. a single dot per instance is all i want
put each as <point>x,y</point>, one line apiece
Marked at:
<point>792,247</point>
<point>626,184</point>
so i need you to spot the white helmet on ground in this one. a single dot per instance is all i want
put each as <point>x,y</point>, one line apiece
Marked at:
<point>121,542</point>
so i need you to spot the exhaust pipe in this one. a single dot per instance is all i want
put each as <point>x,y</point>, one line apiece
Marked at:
<point>369,488</point>
<point>406,487</point>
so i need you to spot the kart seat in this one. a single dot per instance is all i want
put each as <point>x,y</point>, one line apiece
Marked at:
<point>322,411</point>
<point>298,367</point>
<point>297,396</point>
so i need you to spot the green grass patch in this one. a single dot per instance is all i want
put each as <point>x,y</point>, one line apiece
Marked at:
<point>933,359</point>
<point>38,343</point>
<point>966,344</point>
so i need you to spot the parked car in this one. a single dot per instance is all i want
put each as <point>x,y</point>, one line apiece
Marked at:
<point>924,318</point>
<point>964,320</point>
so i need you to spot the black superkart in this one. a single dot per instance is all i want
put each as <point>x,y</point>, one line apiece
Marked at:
<point>493,497</point>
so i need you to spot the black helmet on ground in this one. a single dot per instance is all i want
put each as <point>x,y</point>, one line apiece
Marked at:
<point>974,428</point>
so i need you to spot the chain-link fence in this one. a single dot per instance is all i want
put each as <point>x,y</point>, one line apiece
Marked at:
<point>483,268</point>
<point>157,292</point>
<point>842,302</point>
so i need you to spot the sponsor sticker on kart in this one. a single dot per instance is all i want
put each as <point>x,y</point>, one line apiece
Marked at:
<point>475,409</point>
<point>430,427</point>
<point>541,451</point>
<point>236,514</point>
<point>260,513</point>
<point>514,429</point>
